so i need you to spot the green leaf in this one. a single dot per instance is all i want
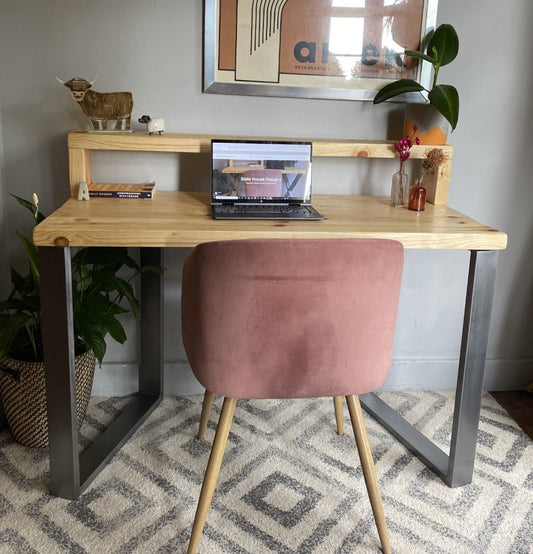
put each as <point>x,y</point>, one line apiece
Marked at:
<point>92,333</point>
<point>23,287</point>
<point>79,258</point>
<point>92,330</point>
<point>5,306</point>
<point>396,88</point>
<point>31,253</point>
<point>81,279</point>
<point>131,263</point>
<point>152,269</point>
<point>116,330</point>
<point>126,290</point>
<point>97,344</point>
<point>446,42</point>
<point>420,55</point>
<point>10,326</point>
<point>31,207</point>
<point>17,280</point>
<point>445,98</point>
<point>106,323</point>
<point>24,304</point>
<point>94,305</point>
<point>30,286</point>
<point>32,303</point>
<point>115,309</point>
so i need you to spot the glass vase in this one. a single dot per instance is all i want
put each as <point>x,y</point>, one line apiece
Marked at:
<point>398,189</point>
<point>417,197</point>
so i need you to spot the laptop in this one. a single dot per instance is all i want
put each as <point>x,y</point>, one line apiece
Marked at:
<point>261,179</point>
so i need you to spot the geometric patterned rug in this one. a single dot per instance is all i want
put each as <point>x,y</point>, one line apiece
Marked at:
<point>288,484</point>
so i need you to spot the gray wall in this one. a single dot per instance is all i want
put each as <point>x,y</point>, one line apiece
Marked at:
<point>154,49</point>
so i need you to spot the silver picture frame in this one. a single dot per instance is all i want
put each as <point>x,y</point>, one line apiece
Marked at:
<point>330,49</point>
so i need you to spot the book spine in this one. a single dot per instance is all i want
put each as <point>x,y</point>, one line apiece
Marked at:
<point>119,194</point>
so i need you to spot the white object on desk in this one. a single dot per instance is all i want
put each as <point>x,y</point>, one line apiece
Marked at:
<point>83,191</point>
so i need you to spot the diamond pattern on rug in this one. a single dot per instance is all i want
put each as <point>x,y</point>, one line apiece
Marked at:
<point>288,484</point>
<point>282,498</point>
<point>104,508</point>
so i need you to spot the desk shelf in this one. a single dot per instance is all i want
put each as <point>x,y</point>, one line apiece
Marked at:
<point>82,143</point>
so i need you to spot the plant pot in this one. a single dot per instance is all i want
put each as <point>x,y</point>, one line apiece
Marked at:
<point>433,128</point>
<point>24,399</point>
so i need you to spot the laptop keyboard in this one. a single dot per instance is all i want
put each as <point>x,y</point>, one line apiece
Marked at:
<point>262,210</point>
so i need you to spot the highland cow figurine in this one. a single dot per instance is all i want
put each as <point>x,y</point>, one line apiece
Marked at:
<point>101,107</point>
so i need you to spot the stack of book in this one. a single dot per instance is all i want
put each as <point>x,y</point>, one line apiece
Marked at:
<point>122,190</point>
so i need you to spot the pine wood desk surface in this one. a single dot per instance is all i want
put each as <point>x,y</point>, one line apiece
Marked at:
<point>182,219</point>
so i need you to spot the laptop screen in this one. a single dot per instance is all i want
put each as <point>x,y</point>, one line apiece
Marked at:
<point>260,171</point>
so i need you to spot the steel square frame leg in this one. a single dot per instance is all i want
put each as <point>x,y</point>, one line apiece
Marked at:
<point>70,471</point>
<point>455,469</point>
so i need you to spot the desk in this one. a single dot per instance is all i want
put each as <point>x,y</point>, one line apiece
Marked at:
<point>182,219</point>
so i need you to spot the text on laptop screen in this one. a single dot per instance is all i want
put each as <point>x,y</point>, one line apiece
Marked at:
<point>260,171</point>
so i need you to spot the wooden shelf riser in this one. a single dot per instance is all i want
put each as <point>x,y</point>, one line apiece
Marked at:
<point>82,143</point>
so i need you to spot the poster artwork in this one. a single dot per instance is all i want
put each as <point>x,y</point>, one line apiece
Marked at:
<point>317,42</point>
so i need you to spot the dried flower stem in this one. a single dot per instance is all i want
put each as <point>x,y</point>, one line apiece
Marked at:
<point>432,159</point>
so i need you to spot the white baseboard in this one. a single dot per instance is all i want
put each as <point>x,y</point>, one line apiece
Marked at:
<point>116,379</point>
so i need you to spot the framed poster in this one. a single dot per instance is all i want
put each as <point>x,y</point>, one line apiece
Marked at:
<point>341,49</point>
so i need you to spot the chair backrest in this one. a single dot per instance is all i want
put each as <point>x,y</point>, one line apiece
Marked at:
<point>289,318</point>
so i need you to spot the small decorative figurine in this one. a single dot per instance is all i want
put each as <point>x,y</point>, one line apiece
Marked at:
<point>83,191</point>
<point>153,125</point>
<point>101,107</point>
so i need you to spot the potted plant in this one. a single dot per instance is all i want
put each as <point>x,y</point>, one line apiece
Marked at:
<point>99,295</point>
<point>442,48</point>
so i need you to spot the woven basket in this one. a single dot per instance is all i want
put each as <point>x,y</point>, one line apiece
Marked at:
<point>24,399</point>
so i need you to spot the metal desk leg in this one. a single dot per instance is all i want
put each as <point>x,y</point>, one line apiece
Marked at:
<point>480,291</point>
<point>455,469</point>
<point>58,343</point>
<point>71,472</point>
<point>151,338</point>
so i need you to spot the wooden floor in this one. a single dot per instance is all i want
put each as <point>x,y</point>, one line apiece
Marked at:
<point>519,405</point>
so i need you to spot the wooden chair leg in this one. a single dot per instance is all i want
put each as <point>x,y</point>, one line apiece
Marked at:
<point>339,416</point>
<point>212,472</point>
<point>369,470</point>
<point>209,397</point>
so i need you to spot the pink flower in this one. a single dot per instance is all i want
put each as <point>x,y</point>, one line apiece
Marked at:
<point>404,145</point>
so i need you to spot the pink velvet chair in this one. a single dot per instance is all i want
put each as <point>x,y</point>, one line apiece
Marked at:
<point>314,318</point>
